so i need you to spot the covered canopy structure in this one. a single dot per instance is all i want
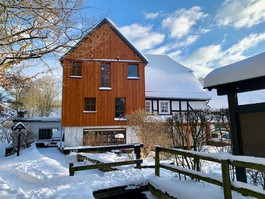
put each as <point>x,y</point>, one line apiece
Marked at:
<point>247,121</point>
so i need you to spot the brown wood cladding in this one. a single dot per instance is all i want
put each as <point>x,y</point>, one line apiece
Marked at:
<point>103,43</point>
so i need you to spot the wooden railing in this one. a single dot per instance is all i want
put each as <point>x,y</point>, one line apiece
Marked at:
<point>224,180</point>
<point>135,147</point>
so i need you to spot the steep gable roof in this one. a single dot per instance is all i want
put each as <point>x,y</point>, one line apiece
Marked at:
<point>165,78</point>
<point>117,31</point>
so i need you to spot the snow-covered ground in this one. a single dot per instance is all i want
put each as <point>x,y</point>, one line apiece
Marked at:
<point>43,173</point>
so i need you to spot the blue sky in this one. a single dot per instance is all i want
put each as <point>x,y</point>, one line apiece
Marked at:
<point>200,34</point>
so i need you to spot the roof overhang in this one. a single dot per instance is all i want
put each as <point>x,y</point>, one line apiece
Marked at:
<point>243,76</point>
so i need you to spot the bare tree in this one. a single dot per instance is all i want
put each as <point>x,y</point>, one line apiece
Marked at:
<point>189,131</point>
<point>41,97</point>
<point>152,131</point>
<point>34,28</point>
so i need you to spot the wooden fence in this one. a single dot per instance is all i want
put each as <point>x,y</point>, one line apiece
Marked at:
<point>223,181</point>
<point>135,147</point>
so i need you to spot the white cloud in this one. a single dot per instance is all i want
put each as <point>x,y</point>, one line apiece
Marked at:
<point>187,41</point>
<point>142,36</point>
<point>161,50</point>
<point>180,22</point>
<point>243,13</point>
<point>203,60</point>
<point>151,15</point>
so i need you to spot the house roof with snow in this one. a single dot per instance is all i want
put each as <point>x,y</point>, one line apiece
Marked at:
<point>38,119</point>
<point>245,70</point>
<point>117,31</point>
<point>165,78</point>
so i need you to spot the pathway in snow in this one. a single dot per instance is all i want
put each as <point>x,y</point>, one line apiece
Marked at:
<point>44,174</point>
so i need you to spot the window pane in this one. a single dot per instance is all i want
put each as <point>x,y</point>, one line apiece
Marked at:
<point>119,107</point>
<point>45,134</point>
<point>105,75</point>
<point>148,107</point>
<point>132,70</point>
<point>164,107</point>
<point>90,104</point>
<point>76,69</point>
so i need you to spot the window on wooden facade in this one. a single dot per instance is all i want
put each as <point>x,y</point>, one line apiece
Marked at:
<point>148,108</point>
<point>76,69</point>
<point>103,138</point>
<point>133,71</point>
<point>119,107</point>
<point>164,107</point>
<point>105,75</point>
<point>90,104</point>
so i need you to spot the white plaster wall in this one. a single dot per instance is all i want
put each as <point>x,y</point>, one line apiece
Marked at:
<point>73,136</point>
<point>155,105</point>
<point>198,105</point>
<point>131,136</point>
<point>175,105</point>
<point>183,106</point>
<point>35,126</point>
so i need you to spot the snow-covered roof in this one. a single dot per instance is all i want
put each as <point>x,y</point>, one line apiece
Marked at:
<point>117,31</point>
<point>250,68</point>
<point>165,78</point>
<point>39,119</point>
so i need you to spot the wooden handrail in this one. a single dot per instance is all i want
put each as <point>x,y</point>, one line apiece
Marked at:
<point>136,148</point>
<point>223,181</point>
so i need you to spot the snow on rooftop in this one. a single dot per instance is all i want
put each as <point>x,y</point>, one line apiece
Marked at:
<point>165,78</point>
<point>250,68</point>
<point>40,119</point>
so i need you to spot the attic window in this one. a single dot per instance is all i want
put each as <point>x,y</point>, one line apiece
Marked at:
<point>76,69</point>
<point>133,71</point>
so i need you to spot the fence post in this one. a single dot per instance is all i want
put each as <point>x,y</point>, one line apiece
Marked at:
<point>71,170</point>
<point>157,162</point>
<point>226,179</point>
<point>137,151</point>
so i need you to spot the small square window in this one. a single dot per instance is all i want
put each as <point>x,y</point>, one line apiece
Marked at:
<point>90,104</point>
<point>164,107</point>
<point>133,71</point>
<point>76,69</point>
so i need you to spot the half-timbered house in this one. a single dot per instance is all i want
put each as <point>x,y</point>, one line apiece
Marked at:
<point>171,87</point>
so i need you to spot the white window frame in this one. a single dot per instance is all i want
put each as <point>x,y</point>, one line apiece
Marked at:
<point>161,108</point>
<point>150,104</point>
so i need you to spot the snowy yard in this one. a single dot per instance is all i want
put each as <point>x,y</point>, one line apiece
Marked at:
<point>43,173</point>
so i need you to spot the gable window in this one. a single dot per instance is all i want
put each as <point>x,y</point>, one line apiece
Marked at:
<point>76,69</point>
<point>148,106</point>
<point>133,71</point>
<point>119,107</point>
<point>105,75</point>
<point>90,104</point>
<point>164,107</point>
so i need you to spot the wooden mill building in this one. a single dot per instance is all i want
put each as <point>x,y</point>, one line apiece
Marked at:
<point>103,79</point>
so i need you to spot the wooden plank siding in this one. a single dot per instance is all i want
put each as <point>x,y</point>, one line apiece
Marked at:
<point>102,43</point>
